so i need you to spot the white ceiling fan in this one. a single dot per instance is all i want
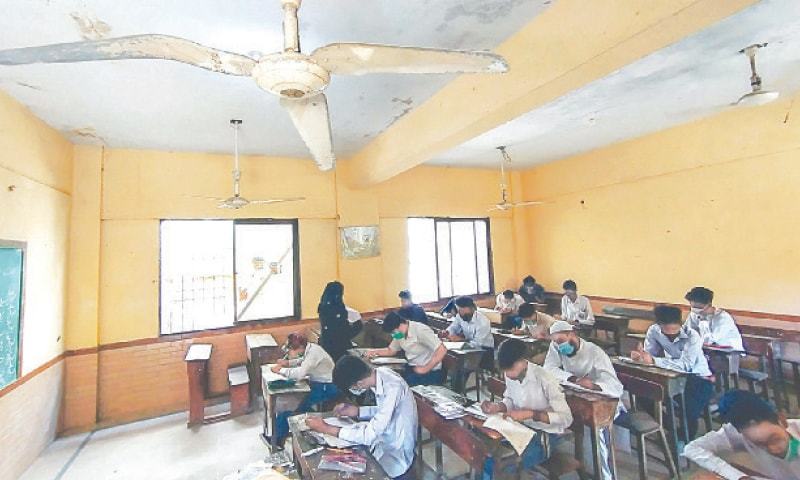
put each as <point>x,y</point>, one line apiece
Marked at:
<point>237,201</point>
<point>298,79</point>
<point>504,203</point>
<point>757,96</point>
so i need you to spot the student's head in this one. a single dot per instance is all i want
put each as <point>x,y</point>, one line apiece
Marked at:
<point>527,311</point>
<point>296,343</point>
<point>405,298</point>
<point>757,421</point>
<point>669,319</point>
<point>396,325</point>
<point>352,373</point>
<point>333,293</point>
<point>564,338</point>
<point>512,358</point>
<point>528,281</point>
<point>700,299</point>
<point>508,294</point>
<point>465,307</point>
<point>570,289</point>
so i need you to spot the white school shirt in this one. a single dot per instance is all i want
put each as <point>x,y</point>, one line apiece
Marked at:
<point>502,302</point>
<point>539,390</point>
<point>578,311</point>
<point>684,354</point>
<point>419,344</point>
<point>717,328</point>
<point>391,427</point>
<point>589,361</point>
<point>352,314</point>
<point>316,364</point>
<point>477,332</point>
<point>705,451</point>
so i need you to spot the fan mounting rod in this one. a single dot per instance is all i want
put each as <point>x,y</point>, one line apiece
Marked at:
<point>291,30</point>
<point>755,78</point>
<point>506,158</point>
<point>237,174</point>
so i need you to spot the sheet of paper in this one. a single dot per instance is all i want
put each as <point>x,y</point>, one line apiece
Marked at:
<point>454,345</point>
<point>475,411</point>
<point>268,375</point>
<point>330,440</point>
<point>388,361</point>
<point>575,386</point>
<point>517,434</point>
<point>339,422</point>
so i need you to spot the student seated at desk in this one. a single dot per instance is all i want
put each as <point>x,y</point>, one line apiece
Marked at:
<point>411,310</point>
<point>424,351</point>
<point>715,325</point>
<point>575,360</point>
<point>574,307</point>
<point>533,397</point>
<point>668,344</point>
<point>534,323</point>
<point>531,291</point>
<point>508,303</point>
<point>304,359</point>
<point>473,327</point>
<point>753,426</point>
<point>389,428</point>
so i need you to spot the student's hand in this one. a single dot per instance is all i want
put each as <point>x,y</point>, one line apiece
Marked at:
<point>645,357</point>
<point>345,410</point>
<point>518,331</point>
<point>421,370</point>
<point>491,407</point>
<point>518,415</point>
<point>586,383</point>
<point>283,363</point>
<point>276,368</point>
<point>444,335</point>
<point>316,423</point>
<point>373,353</point>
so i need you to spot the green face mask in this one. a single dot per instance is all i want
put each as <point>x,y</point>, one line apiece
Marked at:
<point>398,335</point>
<point>792,451</point>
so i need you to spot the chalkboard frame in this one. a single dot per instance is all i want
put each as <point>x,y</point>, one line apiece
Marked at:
<point>24,247</point>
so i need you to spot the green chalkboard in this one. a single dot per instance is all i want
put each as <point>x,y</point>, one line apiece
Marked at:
<point>10,311</point>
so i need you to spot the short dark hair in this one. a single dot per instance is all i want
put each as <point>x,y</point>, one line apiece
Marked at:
<point>570,285</point>
<point>348,371</point>
<point>296,340</point>
<point>526,310</point>
<point>529,279</point>
<point>464,302</point>
<point>742,409</point>
<point>508,294</point>
<point>511,351</point>
<point>666,314</point>
<point>392,321</point>
<point>404,294</point>
<point>700,295</point>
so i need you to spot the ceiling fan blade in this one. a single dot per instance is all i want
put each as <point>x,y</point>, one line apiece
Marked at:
<point>154,47</point>
<point>277,200</point>
<point>361,58</point>
<point>310,117</point>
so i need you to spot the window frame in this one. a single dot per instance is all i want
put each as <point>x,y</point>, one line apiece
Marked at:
<point>297,304</point>
<point>22,245</point>
<point>490,263</point>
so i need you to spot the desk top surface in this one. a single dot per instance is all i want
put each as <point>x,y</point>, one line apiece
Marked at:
<point>256,340</point>
<point>198,351</point>
<point>267,375</point>
<point>652,369</point>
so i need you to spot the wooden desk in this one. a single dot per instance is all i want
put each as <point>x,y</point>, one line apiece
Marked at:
<point>617,325</point>
<point>535,345</point>
<point>596,412</point>
<point>465,361</point>
<point>362,353</point>
<point>674,384</point>
<point>723,362</point>
<point>308,465</point>
<point>261,348</point>
<point>197,357</point>
<point>495,317</point>
<point>285,399</point>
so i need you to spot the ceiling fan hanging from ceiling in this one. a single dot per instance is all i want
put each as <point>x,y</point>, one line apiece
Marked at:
<point>297,78</point>
<point>757,96</point>
<point>504,203</point>
<point>237,201</point>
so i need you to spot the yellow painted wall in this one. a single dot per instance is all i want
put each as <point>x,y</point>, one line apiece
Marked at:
<point>37,161</point>
<point>141,187</point>
<point>712,203</point>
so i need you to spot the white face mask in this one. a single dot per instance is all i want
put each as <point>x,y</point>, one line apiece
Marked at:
<point>697,310</point>
<point>357,391</point>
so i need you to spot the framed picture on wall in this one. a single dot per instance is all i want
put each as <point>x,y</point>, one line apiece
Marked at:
<point>360,241</point>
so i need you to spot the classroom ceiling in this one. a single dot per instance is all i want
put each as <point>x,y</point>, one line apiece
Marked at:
<point>169,106</point>
<point>698,76</point>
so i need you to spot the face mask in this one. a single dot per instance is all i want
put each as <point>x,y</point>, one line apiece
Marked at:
<point>398,335</point>
<point>565,348</point>
<point>357,391</point>
<point>671,337</point>
<point>466,317</point>
<point>697,310</point>
<point>792,451</point>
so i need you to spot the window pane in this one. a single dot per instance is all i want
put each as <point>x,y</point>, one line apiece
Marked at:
<point>422,260</point>
<point>196,275</point>
<point>483,256</point>
<point>264,271</point>
<point>462,240</point>
<point>443,252</point>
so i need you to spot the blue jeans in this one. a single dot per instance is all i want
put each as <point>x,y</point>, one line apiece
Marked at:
<point>697,395</point>
<point>533,455</point>
<point>434,377</point>
<point>320,392</point>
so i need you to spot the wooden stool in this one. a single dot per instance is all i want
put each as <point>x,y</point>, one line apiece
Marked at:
<point>239,387</point>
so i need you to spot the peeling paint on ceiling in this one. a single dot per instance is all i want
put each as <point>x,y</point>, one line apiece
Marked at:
<point>696,77</point>
<point>168,106</point>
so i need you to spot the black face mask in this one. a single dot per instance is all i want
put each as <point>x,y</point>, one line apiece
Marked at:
<point>467,317</point>
<point>672,338</point>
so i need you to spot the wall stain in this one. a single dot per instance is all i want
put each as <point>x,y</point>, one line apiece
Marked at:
<point>86,133</point>
<point>90,27</point>
<point>28,85</point>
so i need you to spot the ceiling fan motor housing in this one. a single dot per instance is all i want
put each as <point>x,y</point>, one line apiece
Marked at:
<point>290,75</point>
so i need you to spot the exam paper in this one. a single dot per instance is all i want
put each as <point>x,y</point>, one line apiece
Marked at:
<point>575,386</point>
<point>517,434</point>
<point>388,361</point>
<point>338,422</point>
<point>269,375</point>
<point>330,440</point>
<point>454,345</point>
